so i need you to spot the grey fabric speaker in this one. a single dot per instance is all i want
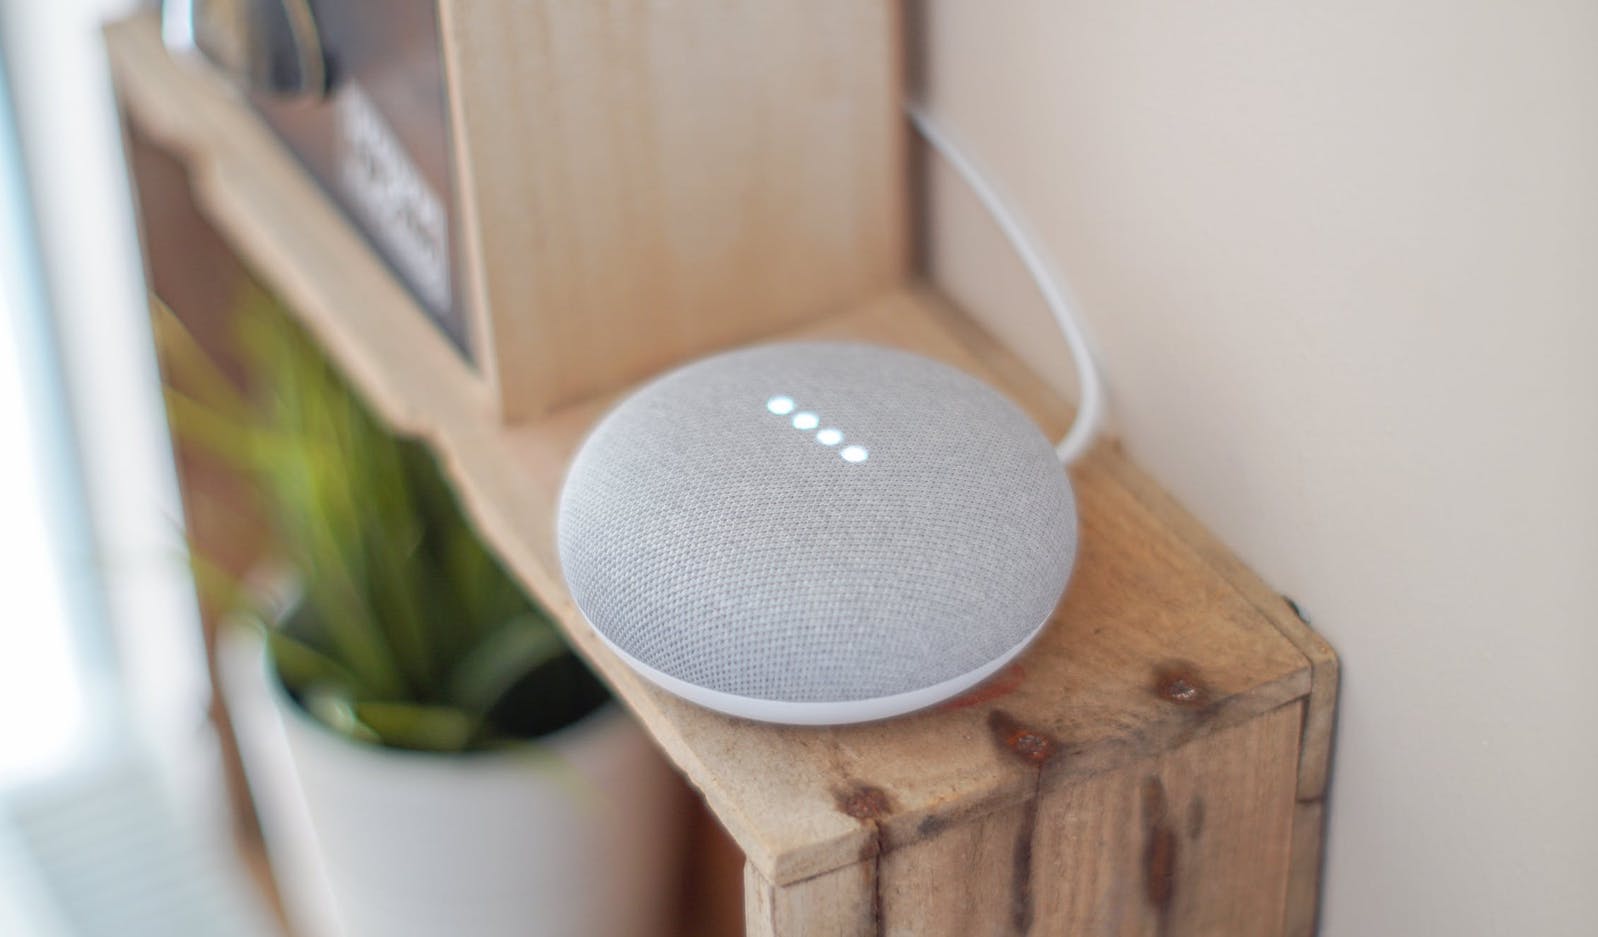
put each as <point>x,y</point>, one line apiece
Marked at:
<point>817,532</point>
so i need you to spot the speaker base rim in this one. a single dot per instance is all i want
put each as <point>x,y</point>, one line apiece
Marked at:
<point>841,712</point>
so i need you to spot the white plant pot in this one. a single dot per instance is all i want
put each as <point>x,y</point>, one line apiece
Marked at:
<point>577,841</point>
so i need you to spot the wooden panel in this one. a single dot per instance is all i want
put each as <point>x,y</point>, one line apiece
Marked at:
<point>1320,711</point>
<point>1160,640</point>
<point>835,904</point>
<point>973,878</point>
<point>643,181</point>
<point>1302,915</point>
<point>1190,842</point>
<point>1193,843</point>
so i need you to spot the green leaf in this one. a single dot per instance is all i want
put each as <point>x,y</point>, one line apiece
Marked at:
<point>418,726</point>
<point>301,666</point>
<point>212,430</point>
<point>410,630</point>
<point>488,670</point>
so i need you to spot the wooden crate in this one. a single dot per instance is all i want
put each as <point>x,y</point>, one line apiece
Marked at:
<point>1154,764</point>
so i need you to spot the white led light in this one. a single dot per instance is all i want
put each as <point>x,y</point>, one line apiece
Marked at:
<point>806,420</point>
<point>782,406</point>
<point>829,437</point>
<point>854,453</point>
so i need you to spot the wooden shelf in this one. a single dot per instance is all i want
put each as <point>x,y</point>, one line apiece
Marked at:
<point>1168,663</point>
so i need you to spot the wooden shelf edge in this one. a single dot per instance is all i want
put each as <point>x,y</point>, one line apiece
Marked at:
<point>772,788</point>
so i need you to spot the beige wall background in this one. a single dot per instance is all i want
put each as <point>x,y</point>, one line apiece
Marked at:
<point>1341,265</point>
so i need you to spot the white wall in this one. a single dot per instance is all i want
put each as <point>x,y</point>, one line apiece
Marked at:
<point>1341,262</point>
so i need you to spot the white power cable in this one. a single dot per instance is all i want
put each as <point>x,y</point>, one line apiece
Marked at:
<point>1090,405</point>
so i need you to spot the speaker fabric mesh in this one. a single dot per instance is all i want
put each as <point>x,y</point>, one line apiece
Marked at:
<point>712,540</point>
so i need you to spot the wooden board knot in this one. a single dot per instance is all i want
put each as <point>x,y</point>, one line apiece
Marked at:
<point>1031,745</point>
<point>1177,681</point>
<point>865,802</point>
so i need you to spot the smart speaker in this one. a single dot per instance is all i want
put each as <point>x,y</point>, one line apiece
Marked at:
<point>817,533</point>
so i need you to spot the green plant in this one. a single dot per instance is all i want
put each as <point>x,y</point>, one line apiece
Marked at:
<point>409,633</point>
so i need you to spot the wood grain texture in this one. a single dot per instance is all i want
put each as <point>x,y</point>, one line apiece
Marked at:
<point>1320,707</point>
<point>1315,755</point>
<point>641,182</point>
<point>1193,841</point>
<point>835,904</point>
<point>1301,918</point>
<point>1163,641</point>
